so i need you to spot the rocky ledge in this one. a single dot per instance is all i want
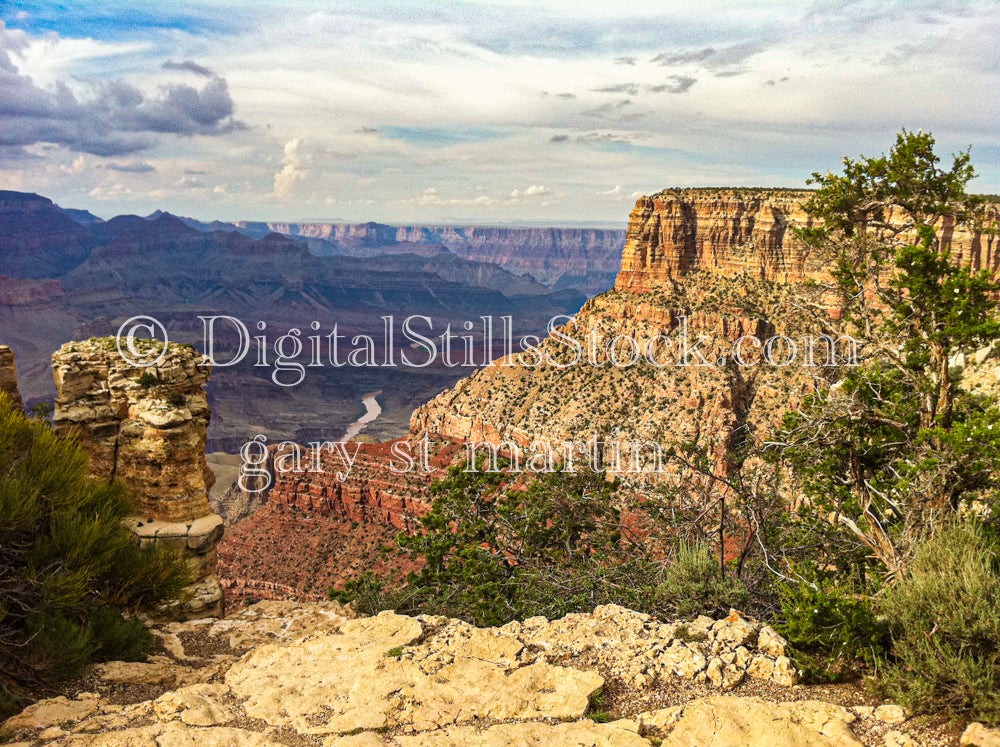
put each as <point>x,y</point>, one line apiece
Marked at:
<point>281,673</point>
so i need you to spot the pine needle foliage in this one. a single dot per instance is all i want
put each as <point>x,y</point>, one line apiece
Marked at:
<point>72,577</point>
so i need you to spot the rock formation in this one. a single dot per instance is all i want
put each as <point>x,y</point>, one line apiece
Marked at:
<point>370,492</point>
<point>701,269</point>
<point>281,673</point>
<point>318,530</point>
<point>8,376</point>
<point>587,258</point>
<point>675,233</point>
<point>146,426</point>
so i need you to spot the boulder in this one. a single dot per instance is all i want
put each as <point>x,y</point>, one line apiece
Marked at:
<point>978,735</point>
<point>723,721</point>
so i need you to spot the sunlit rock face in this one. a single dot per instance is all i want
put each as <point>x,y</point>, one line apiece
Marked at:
<point>147,426</point>
<point>8,376</point>
<point>701,269</point>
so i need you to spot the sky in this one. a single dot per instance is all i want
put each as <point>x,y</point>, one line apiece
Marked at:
<point>412,111</point>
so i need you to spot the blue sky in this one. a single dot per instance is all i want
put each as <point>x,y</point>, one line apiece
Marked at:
<point>474,112</point>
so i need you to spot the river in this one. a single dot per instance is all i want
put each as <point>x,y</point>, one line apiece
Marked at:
<point>372,410</point>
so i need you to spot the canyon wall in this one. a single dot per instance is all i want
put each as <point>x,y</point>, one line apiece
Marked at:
<point>8,376</point>
<point>585,255</point>
<point>700,269</point>
<point>147,426</point>
<point>318,530</point>
<point>741,232</point>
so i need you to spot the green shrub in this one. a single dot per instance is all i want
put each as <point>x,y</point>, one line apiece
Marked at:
<point>831,628</point>
<point>694,585</point>
<point>147,380</point>
<point>369,594</point>
<point>176,400</point>
<point>498,547</point>
<point>830,618</point>
<point>946,625</point>
<point>71,575</point>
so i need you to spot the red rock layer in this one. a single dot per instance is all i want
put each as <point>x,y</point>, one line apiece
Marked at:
<point>371,492</point>
<point>676,232</point>
<point>281,552</point>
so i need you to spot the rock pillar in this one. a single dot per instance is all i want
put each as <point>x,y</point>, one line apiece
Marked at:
<point>8,376</point>
<point>147,426</point>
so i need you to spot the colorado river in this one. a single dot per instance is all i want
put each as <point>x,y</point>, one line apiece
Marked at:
<point>372,411</point>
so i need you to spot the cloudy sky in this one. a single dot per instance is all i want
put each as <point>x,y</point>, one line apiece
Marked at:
<point>474,111</point>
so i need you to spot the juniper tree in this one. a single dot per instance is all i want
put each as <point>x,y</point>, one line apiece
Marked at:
<point>895,445</point>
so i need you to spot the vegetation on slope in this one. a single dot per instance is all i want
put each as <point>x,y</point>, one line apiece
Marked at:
<point>72,577</point>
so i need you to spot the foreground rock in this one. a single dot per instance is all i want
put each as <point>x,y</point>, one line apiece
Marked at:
<point>147,426</point>
<point>280,673</point>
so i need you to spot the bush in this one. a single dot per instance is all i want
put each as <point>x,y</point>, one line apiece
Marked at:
<point>693,584</point>
<point>71,575</point>
<point>498,547</point>
<point>946,625</point>
<point>831,628</point>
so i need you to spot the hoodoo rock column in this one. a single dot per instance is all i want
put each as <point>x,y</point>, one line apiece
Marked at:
<point>147,427</point>
<point>8,376</point>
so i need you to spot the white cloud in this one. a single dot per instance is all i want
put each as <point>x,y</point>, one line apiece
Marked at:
<point>364,110</point>
<point>77,167</point>
<point>292,172</point>
<point>534,190</point>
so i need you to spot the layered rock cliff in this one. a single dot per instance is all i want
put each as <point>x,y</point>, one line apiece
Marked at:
<point>701,270</point>
<point>317,530</point>
<point>745,233</point>
<point>147,426</point>
<point>8,376</point>
<point>562,257</point>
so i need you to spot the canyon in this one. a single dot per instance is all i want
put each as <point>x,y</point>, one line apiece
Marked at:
<point>583,258</point>
<point>717,265</point>
<point>66,280</point>
<point>292,669</point>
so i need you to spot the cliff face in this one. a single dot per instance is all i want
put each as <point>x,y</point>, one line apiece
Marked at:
<point>672,234</point>
<point>319,530</point>
<point>675,233</point>
<point>585,257</point>
<point>8,376</point>
<point>702,269</point>
<point>371,492</point>
<point>147,426</point>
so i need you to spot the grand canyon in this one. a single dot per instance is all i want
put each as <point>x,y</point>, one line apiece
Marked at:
<point>500,374</point>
